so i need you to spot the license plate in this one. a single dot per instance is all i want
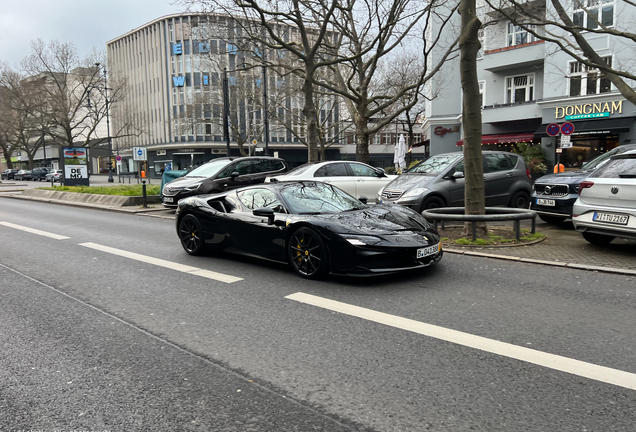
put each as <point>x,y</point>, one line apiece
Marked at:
<point>427,251</point>
<point>611,218</point>
<point>167,199</point>
<point>546,202</point>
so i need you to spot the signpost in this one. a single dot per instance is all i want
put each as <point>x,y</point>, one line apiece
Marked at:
<point>566,129</point>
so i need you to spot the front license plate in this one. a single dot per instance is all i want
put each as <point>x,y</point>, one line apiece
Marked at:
<point>427,251</point>
<point>166,199</point>
<point>611,218</point>
<point>546,202</point>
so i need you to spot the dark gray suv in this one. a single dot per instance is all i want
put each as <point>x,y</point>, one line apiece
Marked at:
<point>439,182</point>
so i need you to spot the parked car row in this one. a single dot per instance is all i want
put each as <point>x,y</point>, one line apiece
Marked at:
<point>37,174</point>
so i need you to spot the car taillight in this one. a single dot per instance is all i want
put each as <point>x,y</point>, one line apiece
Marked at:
<point>584,185</point>
<point>528,173</point>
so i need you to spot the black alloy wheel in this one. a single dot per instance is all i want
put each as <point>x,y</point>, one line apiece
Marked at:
<point>432,203</point>
<point>191,235</point>
<point>520,200</point>
<point>308,254</point>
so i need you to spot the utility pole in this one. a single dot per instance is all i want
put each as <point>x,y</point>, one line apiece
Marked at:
<point>226,110</point>
<point>265,116</point>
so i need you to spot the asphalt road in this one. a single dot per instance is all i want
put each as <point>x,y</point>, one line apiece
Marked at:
<point>96,338</point>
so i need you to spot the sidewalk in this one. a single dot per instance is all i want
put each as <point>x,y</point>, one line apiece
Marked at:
<point>563,247</point>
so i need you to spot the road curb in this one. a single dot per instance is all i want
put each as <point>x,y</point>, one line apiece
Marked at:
<point>544,262</point>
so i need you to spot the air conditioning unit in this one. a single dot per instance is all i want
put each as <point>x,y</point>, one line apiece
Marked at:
<point>161,152</point>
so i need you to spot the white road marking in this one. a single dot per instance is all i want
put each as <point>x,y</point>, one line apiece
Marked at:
<point>552,361</point>
<point>164,263</point>
<point>34,231</point>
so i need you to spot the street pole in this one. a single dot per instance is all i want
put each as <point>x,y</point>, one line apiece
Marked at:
<point>44,147</point>
<point>110,141</point>
<point>265,117</point>
<point>226,110</point>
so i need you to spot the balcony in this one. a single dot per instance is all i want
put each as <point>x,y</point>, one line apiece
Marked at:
<point>526,55</point>
<point>511,112</point>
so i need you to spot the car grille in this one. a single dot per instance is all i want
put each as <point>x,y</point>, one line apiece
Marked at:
<point>170,191</point>
<point>554,190</point>
<point>391,194</point>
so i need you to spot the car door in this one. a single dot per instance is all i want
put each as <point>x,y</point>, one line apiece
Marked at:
<point>367,181</point>
<point>244,168</point>
<point>498,172</point>
<point>337,174</point>
<point>457,185</point>
<point>252,233</point>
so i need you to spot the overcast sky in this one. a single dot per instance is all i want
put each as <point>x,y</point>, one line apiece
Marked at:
<point>86,24</point>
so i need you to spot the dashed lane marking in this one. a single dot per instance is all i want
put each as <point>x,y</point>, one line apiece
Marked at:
<point>552,361</point>
<point>34,231</point>
<point>164,263</point>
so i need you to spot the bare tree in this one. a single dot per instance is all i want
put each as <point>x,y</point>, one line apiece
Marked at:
<point>376,37</point>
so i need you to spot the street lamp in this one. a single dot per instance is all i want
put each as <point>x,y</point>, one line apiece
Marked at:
<point>226,111</point>
<point>110,141</point>
<point>265,119</point>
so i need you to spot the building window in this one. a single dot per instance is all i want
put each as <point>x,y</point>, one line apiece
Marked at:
<point>585,80</point>
<point>518,35</point>
<point>482,86</point>
<point>589,13</point>
<point>520,88</point>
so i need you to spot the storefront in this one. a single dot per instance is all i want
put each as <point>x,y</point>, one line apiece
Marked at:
<point>599,126</point>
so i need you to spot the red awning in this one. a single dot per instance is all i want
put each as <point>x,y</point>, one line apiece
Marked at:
<point>504,138</point>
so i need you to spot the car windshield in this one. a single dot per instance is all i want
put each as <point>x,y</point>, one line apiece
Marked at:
<point>299,170</point>
<point>434,165</point>
<point>317,198</point>
<point>209,169</point>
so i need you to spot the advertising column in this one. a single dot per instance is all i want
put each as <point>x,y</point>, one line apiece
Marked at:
<point>75,167</point>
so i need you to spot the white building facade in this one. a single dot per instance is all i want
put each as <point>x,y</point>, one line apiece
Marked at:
<point>527,84</point>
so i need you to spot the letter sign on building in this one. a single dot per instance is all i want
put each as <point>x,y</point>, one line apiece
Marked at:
<point>177,49</point>
<point>178,81</point>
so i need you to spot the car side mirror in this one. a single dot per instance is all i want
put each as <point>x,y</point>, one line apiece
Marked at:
<point>265,212</point>
<point>234,175</point>
<point>457,175</point>
<point>363,199</point>
<point>380,172</point>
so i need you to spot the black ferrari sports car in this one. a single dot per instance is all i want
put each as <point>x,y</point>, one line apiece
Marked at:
<point>315,227</point>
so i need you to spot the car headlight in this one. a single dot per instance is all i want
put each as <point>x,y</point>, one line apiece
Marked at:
<point>361,240</point>
<point>413,193</point>
<point>192,187</point>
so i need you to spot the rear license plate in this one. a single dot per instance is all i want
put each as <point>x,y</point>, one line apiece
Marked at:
<point>611,218</point>
<point>546,202</point>
<point>427,251</point>
<point>166,199</point>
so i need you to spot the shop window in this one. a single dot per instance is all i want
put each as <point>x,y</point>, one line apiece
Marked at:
<point>590,13</point>
<point>520,89</point>
<point>518,35</point>
<point>586,80</point>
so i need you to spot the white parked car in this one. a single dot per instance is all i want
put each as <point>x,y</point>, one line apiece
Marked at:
<point>606,207</point>
<point>355,178</point>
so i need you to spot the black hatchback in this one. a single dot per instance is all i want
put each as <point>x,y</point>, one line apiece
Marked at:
<point>222,174</point>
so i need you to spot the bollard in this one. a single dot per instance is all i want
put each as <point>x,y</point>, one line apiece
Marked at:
<point>143,188</point>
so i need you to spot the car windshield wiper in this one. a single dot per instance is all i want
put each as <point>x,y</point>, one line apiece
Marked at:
<point>627,175</point>
<point>310,213</point>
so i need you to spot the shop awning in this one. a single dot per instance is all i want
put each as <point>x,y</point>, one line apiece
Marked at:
<point>504,138</point>
<point>593,127</point>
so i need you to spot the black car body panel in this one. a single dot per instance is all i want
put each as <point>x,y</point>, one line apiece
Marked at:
<point>370,240</point>
<point>553,195</point>
<point>250,170</point>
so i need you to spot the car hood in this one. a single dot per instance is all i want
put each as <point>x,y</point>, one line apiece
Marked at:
<point>408,181</point>
<point>181,182</point>
<point>570,177</point>
<point>378,220</point>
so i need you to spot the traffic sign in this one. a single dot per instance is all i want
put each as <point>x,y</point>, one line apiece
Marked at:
<point>565,141</point>
<point>139,154</point>
<point>553,129</point>
<point>118,158</point>
<point>567,128</point>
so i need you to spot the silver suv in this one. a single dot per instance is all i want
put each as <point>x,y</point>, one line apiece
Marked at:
<point>439,182</point>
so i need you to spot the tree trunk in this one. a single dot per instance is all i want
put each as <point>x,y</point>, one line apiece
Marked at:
<point>474,198</point>
<point>309,111</point>
<point>362,140</point>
